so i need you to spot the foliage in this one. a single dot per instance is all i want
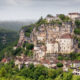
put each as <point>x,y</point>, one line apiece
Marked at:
<point>8,51</point>
<point>59,65</point>
<point>40,21</point>
<point>7,37</point>
<point>56,22</point>
<point>60,58</point>
<point>28,29</point>
<point>17,51</point>
<point>75,56</point>
<point>41,77</point>
<point>67,76</point>
<point>28,50</point>
<point>49,15</point>
<point>64,18</point>
<point>77,23</point>
<point>71,56</point>
<point>11,72</point>
<point>29,46</point>
<point>77,31</point>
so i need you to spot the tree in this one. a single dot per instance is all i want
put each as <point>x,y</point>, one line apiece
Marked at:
<point>73,56</point>
<point>49,79</point>
<point>67,76</point>
<point>59,65</point>
<point>49,15</point>
<point>52,22</point>
<point>58,77</point>
<point>26,52</point>
<point>38,22</point>
<point>3,72</point>
<point>60,57</point>
<point>31,66</point>
<point>40,70</point>
<point>51,73</point>
<point>17,51</point>
<point>29,46</point>
<point>79,45</point>
<point>77,23</point>
<point>41,77</point>
<point>41,21</point>
<point>77,31</point>
<point>64,18</point>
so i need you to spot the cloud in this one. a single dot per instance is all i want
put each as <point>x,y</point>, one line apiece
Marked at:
<point>14,2</point>
<point>35,8</point>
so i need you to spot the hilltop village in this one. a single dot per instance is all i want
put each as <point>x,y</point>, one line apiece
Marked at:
<point>50,39</point>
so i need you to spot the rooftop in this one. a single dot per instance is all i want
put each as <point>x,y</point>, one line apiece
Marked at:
<point>66,36</point>
<point>75,13</point>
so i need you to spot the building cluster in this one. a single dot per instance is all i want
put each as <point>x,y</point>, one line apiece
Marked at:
<point>53,39</point>
<point>22,60</point>
<point>74,16</point>
<point>50,40</point>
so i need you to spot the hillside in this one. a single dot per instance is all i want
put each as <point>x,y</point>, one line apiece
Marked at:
<point>41,50</point>
<point>14,25</point>
<point>7,37</point>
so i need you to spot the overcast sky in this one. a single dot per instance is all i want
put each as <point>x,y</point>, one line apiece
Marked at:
<point>33,9</point>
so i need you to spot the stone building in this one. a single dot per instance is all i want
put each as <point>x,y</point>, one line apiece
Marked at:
<point>54,37</point>
<point>51,18</point>
<point>52,47</point>
<point>74,16</point>
<point>66,45</point>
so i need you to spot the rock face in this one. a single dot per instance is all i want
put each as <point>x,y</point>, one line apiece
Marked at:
<point>53,39</point>
<point>22,38</point>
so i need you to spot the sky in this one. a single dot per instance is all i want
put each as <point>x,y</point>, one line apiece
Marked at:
<point>34,9</point>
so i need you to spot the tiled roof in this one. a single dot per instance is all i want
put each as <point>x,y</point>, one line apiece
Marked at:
<point>4,60</point>
<point>66,36</point>
<point>76,61</point>
<point>74,13</point>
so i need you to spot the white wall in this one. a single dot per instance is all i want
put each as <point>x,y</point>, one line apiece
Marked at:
<point>52,47</point>
<point>66,45</point>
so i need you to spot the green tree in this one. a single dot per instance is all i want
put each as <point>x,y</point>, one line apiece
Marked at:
<point>59,65</point>
<point>49,15</point>
<point>41,77</point>
<point>77,23</point>
<point>31,66</point>
<point>17,51</point>
<point>77,31</point>
<point>40,70</point>
<point>51,73</point>
<point>29,46</point>
<point>3,72</point>
<point>60,57</point>
<point>73,56</point>
<point>64,18</point>
<point>49,79</point>
<point>67,76</point>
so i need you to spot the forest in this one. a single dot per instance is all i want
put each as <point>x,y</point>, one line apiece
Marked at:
<point>11,72</point>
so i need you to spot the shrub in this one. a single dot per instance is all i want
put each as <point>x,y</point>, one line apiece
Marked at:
<point>59,65</point>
